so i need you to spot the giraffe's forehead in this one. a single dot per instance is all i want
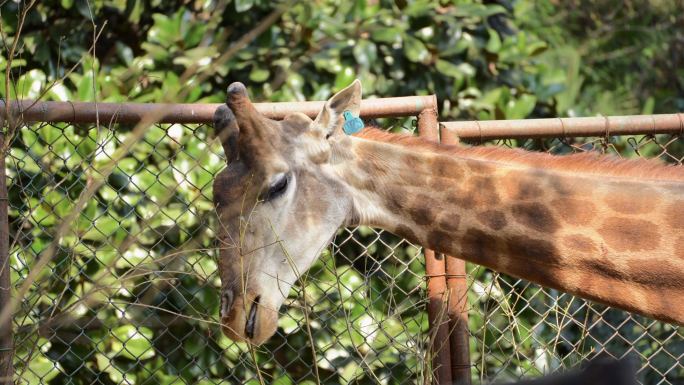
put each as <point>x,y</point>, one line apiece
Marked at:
<point>231,184</point>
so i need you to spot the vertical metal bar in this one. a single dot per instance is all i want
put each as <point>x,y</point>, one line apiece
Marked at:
<point>457,284</point>
<point>428,127</point>
<point>6,337</point>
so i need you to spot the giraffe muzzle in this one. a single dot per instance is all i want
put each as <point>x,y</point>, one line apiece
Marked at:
<point>247,317</point>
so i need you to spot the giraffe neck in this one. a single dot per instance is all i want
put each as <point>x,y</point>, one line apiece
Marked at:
<point>614,239</point>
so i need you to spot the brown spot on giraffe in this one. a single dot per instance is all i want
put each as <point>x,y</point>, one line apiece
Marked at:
<point>535,216</point>
<point>444,167</point>
<point>448,222</point>
<point>417,162</point>
<point>574,211</point>
<point>629,234</point>
<point>631,201</point>
<point>481,167</point>
<point>531,250</point>
<point>481,192</point>
<point>478,245</point>
<point>410,178</point>
<point>379,168</point>
<point>568,187</point>
<point>395,199</point>
<point>406,233</point>
<point>440,241</point>
<point>581,244</point>
<point>517,187</point>
<point>422,212</point>
<point>495,220</point>
<point>438,183</point>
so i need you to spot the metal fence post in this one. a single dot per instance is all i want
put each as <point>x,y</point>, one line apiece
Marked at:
<point>459,338</point>
<point>6,339</point>
<point>435,271</point>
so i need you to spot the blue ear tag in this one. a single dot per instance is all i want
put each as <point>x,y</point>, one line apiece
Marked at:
<point>352,124</point>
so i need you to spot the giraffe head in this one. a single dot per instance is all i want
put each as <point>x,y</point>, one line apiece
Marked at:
<point>279,204</point>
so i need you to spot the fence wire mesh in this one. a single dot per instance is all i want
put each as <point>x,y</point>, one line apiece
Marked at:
<point>131,295</point>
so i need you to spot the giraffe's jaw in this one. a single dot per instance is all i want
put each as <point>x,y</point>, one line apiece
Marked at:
<point>248,319</point>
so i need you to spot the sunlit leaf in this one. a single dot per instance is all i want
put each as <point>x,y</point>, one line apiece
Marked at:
<point>131,342</point>
<point>414,49</point>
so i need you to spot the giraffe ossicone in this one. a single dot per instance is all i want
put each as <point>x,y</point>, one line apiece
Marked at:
<point>604,229</point>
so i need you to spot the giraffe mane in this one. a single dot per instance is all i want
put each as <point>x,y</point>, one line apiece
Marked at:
<point>582,163</point>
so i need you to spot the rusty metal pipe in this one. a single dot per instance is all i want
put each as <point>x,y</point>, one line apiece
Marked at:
<point>428,128</point>
<point>88,112</point>
<point>457,285</point>
<point>567,127</point>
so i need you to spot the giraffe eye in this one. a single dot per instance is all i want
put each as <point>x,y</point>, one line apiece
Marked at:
<point>278,187</point>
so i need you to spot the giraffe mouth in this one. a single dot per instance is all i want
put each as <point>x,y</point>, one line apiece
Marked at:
<point>251,318</point>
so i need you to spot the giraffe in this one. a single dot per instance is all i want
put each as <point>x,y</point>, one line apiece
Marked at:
<point>605,229</point>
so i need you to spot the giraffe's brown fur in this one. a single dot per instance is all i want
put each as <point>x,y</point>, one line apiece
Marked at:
<point>586,224</point>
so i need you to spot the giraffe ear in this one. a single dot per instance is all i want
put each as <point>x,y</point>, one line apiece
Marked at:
<point>329,120</point>
<point>227,131</point>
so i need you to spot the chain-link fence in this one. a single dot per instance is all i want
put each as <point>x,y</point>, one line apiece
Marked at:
<point>131,294</point>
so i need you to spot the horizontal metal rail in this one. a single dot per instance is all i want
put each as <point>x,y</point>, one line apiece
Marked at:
<point>105,113</point>
<point>567,127</point>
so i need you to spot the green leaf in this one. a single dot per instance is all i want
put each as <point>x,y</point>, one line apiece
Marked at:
<point>520,108</point>
<point>132,343</point>
<point>166,30</point>
<point>457,71</point>
<point>344,78</point>
<point>365,53</point>
<point>387,35</point>
<point>243,5</point>
<point>414,49</point>
<point>258,75</point>
<point>30,84</point>
<point>86,93</point>
<point>494,42</point>
<point>194,35</point>
<point>40,370</point>
<point>124,52</point>
<point>477,10</point>
<point>59,92</point>
<point>648,106</point>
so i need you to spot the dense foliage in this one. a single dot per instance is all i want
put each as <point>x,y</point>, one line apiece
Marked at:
<point>131,295</point>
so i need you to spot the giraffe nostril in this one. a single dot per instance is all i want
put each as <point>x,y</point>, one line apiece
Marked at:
<point>251,319</point>
<point>226,302</point>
